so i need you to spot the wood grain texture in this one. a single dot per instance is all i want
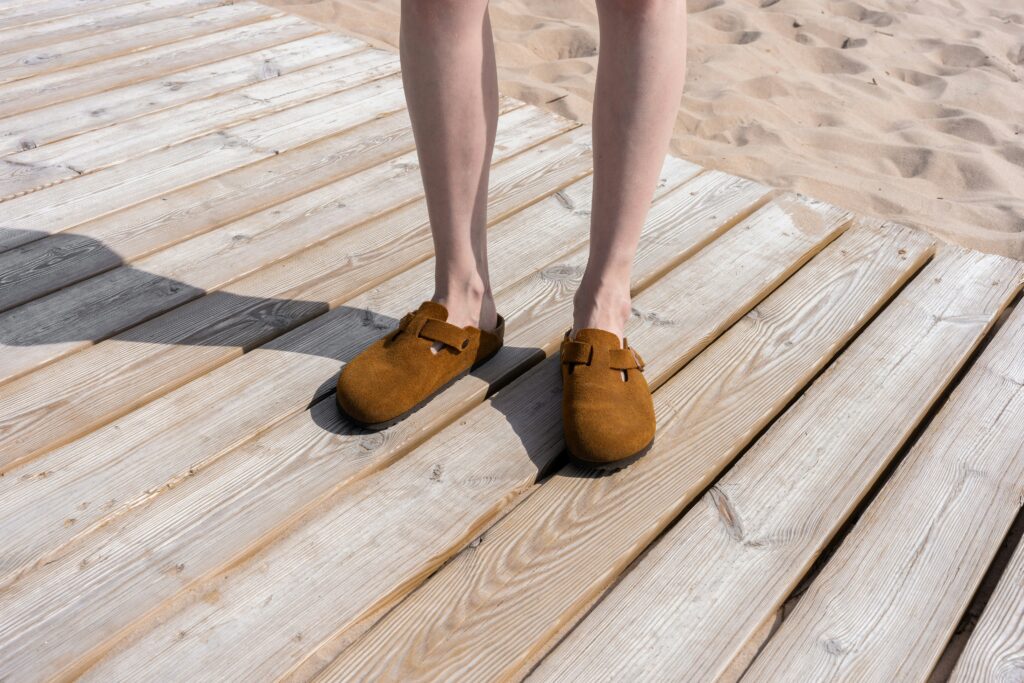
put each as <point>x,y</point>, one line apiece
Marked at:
<point>89,49</point>
<point>61,29</point>
<point>86,197</point>
<point>306,95</point>
<point>252,508</point>
<point>272,478</point>
<point>45,265</point>
<point>271,383</point>
<point>207,206</point>
<point>303,359</point>
<point>148,360</point>
<point>887,602</point>
<point>995,651</point>
<point>494,609</point>
<point>40,127</point>
<point>60,86</point>
<point>393,529</point>
<point>694,604</point>
<point>46,329</point>
<point>32,12</point>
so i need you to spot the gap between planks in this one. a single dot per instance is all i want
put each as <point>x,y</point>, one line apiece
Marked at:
<point>196,337</point>
<point>556,212</point>
<point>486,615</point>
<point>887,602</point>
<point>42,91</point>
<point>60,29</point>
<point>308,357</point>
<point>224,117</point>
<point>371,511</point>
<point>89,50</point>
<point>824,453</point>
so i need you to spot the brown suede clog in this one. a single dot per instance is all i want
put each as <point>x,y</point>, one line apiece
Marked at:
<point>607,409</point>
<point>398,372</point>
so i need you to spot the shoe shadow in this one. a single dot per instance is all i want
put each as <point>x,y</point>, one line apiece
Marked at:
<point>504,367</point>
<point>59,288</point>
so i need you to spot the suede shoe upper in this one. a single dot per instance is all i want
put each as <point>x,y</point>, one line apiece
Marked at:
<point>397,372</point>
<point>607,408</point>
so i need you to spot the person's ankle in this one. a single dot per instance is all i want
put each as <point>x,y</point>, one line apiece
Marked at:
<point>604,309</point>
<point>470,302</point>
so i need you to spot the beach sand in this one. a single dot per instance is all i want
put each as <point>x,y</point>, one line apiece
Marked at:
<point>909,110</point>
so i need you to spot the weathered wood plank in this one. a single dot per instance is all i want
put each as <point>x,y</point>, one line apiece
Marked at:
<point>75,317</point>
<point>696,603</point>
<point>65,28</point>
<point>26,13</point>
<point>59,121</point>
<point>995,650</point>
<point>349,328</point>
<point>311,93</point>
<point>311,357</point>
<point>60,86</point>
<point>486,616</point>
<point>255,509</point>
<point>388,541</point>
<point>103,192</point>
<point>90,49</point>
<point>45,265</point>
<point>311,353</point>
<point>886,604</point>
<point>203,334</point>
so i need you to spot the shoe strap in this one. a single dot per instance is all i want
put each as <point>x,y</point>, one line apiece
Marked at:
<point>625,359</point>
<point>582,353</point>
<point>576,352</point>
<point>434,330</point>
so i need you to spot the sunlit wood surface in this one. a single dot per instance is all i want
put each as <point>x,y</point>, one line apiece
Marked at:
<point>207,207</point>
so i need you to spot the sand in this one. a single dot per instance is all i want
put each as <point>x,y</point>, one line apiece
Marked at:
<point>910,110</point>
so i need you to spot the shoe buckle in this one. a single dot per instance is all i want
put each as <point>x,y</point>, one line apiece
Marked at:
<point>636,357</point>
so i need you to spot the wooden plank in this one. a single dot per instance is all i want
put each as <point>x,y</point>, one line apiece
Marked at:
<point>26,13</point>
<point>58,30</point>
<point>888,601</point>
<point>307,479</point>
<point>90,49</point>
<point>703,595</point>
<point>93,310</point>
<point>994,650</point>
<point>323,336</point>
<point>486,616</point>
<point>90,196</point>
<point>461,484</point>
<point>309,93</point>
<point>59,121</point>
<point>168,351</point>
<point>45,265</point>
<point>309,356</point>
<point>60,86</point>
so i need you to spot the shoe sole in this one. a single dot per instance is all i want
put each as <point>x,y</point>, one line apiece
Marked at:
<point>614,465</point>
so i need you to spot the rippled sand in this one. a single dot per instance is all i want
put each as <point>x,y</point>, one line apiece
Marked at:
<point>911,110</point>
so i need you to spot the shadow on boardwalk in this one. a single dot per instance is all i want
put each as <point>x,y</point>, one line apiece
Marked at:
<point>56,275</point>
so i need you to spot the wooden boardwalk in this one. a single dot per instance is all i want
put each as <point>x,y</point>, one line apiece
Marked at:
<point>208,207</point>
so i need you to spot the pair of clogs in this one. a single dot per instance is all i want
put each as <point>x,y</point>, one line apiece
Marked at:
<point>607,410</point>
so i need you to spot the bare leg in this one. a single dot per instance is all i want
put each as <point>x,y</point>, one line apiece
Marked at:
<point>451,88</point>
<point>641,69</point>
